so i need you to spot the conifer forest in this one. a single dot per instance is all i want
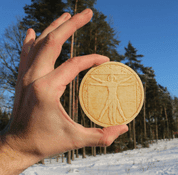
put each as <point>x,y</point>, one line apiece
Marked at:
<point>158,118</point>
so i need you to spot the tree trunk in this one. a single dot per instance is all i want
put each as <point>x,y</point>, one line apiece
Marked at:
<point>73,111</point>
<point>76,106</point>
<point>76,152</point>
<point>94,148</point>
<point>70,97</point>
<point>151,135</point>
<point>83,123</point>
<point>73,152</point>
<point>130,132</point>
<point>100,150</point>
<point>50,160</point>
<point>58,158</point>
<point>164,132</point>
<point>62,157</point>
<point>73,51</point>
<point>144,113</point>
<point>134,134</point>
<point>167,122</point>
<point>156,126</point>
<point>83,153</point>
<point>105,150</point>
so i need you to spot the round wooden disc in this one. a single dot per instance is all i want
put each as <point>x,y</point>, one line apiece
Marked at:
<point>111,94</point>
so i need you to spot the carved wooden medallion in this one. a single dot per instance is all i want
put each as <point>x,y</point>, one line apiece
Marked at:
<point>111,94</point>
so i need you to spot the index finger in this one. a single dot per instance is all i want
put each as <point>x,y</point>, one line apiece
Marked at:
<point>51,47</point>
<point>65,73</point>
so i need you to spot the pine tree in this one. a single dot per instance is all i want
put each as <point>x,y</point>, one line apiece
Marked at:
<point>131,60</point>
<point>99,37</point>
<point>3,119</point>
<point>150,86</point>
<point>175,112</point>
<point>40,14</point>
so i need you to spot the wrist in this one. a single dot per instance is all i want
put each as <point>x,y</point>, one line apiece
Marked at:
<point>12,160</point>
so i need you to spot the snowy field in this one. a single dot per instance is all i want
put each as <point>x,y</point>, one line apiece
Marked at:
<point>161,158</point>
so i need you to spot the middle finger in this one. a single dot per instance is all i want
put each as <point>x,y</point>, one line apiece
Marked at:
<point>55,24</point>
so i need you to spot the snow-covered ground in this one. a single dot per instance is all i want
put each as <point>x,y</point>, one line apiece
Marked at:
<point>161,158</point>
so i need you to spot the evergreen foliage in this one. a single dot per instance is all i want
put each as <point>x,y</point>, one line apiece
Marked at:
<point>160,110</point>
<point>4,119</point>
<point>133,60</point>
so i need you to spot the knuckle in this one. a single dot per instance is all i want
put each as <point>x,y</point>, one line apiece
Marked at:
<point>103,143</point>
<point>54,24</point>
<point>50,39</point>
<point>75,22</point>
<point>108,142</point>
<point>76,62</point>
<point>40,87</point>
<point>73,60</point>
<point>107,139</point>
<point>37,85</point>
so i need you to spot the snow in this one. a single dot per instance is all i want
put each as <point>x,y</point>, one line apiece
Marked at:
<point>160,158</point>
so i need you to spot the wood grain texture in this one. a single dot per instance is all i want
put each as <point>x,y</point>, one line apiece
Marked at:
<point>111,94</point>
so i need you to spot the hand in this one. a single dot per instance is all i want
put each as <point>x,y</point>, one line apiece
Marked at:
<point>40,125</point>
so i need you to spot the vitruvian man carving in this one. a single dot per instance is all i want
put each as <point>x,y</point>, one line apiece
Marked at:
<point>112,102</point>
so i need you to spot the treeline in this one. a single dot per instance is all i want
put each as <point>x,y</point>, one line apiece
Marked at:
<point>158,118</point>
<point>4,118</point>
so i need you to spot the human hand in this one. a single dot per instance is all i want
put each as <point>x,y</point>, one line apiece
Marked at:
<point>40,125</point>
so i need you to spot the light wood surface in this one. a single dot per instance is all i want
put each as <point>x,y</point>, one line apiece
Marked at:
<point>111,94</point>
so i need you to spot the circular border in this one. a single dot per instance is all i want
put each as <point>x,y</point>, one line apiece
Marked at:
<point>109,63</point>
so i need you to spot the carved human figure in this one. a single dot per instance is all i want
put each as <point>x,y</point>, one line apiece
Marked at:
<point>112,102</point>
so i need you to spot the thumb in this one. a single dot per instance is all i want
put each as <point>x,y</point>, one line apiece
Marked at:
<point>103,137</point>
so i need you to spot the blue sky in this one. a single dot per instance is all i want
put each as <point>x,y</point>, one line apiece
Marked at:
<point>150,25</point>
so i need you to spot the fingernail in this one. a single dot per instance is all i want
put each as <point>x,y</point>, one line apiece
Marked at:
<point>65,15</point>
<point>85,11</point>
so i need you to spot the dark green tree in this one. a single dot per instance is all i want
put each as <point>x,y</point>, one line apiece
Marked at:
<point>175,112</point>
<point>150,104</point>
<point>40,14</point>
<point>167,109</point>
<point>4,119</point>
<point>132,59</point>
<point>100,37</point>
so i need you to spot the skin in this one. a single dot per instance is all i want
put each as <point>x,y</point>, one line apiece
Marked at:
<point>40,126</point>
